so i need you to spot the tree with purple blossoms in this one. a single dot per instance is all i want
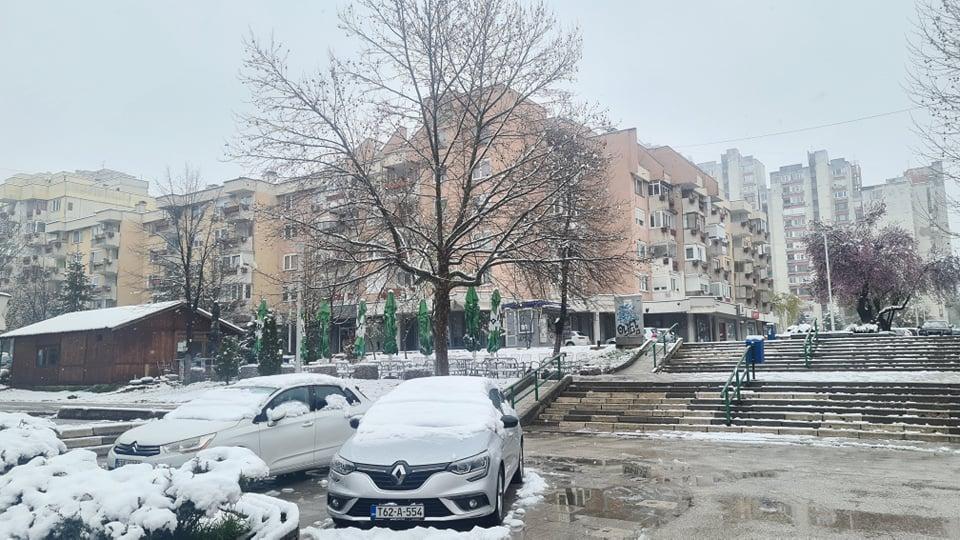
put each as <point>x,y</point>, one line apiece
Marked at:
<point>877,270</point>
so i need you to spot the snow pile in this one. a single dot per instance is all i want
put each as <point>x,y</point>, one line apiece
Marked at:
<point>457,407</point>
<point>799,329</point>
<point>868,328</point>
<point>38,498</point>
<point>269,518</point>
<point>23,437</point>
<point>531,492</point>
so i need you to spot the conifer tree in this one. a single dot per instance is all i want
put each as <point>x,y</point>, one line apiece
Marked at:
<point>76,292</point>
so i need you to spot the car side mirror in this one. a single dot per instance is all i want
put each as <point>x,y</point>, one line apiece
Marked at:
<point>275,415</point>
<point>510,421</point>
<point>354,423</point>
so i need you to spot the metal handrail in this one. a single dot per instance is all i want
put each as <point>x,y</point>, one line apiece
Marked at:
<point>739,382</point>
<point>663,339</point>
<point>522,388</point>
<point>810,344</point>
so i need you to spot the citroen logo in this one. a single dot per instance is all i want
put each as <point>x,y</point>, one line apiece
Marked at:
<point>399,472</point>
<point>133,447</point>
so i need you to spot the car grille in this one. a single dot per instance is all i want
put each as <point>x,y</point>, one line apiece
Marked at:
<point>134,449</point>
<point>416,475</point>
<point>431,507</point>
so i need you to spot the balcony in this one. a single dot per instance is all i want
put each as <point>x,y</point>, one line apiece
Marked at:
<point>237,211</point>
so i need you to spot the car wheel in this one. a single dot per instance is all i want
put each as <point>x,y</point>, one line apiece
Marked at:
<point>518,475</point>
<point>495,518</point>
<point>341,523</point>
<point>568,344</point>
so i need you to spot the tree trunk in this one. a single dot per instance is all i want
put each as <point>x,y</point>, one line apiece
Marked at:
<point>441,316</point>
<point>863,306</point>
<point>561,321</point>
<point>187,364</point>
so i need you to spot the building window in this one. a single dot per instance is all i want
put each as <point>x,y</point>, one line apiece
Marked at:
<point>695,252</point>
<point>291,261</point>
<point>842,194</point>
<point>290,231</point>
<point>55,205</point>
<point>641,249</point>
<point>661,218</point>
<point>481,171</point>
<point>289,294</point>
<point>69,207</point>
<point>77,236</point>
<point>639,216</point>
<point>48,356</point>
<point>644,283</point>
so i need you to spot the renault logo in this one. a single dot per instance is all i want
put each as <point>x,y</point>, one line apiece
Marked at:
<point>399,472</point>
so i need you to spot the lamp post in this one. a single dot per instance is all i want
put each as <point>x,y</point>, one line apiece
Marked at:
<point>826,254</point>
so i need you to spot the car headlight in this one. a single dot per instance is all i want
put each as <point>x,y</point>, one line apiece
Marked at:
<point>188,445</point>
<point>475,466</point>
<point>342,466</point>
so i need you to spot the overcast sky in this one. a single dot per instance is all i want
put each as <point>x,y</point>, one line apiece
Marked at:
<point>137,86</point>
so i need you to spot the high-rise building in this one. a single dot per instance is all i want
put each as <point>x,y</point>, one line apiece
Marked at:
<point>826,190</point>
<point>93,216</point>
<point>741,178</point>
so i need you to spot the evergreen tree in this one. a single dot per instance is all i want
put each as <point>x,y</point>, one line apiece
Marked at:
<point>390,325</point>
<point>248,343</point>
<point>228,359</point>
<point>76,292</point>
<point>269,357</point>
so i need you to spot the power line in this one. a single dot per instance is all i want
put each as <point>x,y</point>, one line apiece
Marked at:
<point>810,128</point>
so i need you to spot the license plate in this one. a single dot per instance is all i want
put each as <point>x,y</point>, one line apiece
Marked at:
<point>393,511</point>
<point>121,462</point>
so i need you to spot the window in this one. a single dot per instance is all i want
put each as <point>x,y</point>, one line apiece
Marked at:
<point>290,231</point>
<point>644,283</point>
<point>661,218</point>
<point>230,262</point>
<point>842,194</point>
<point>69,207</point>
<point>639,187</point>
<point>641,249</point>
<point>639,216</point>
<point>48,356</point>
<point>481,170</point>
<point>77,236</point>
<point>659,188</point>
<point>289,294</point>
<point>320,394</point>
<point>291,261</point>
<point>674,284</point>
<point>298,399</point>
<point>486,278</point>
<point>55,205</point>
<point>695,252</point>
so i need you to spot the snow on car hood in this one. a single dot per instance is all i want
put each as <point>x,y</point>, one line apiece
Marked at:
<point>426,450</point>
<point>443,409</point>
<point>167,431</point>
<point>225,404</point>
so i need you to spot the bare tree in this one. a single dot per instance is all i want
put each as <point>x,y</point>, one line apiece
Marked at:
<point>475,83</point>
<point>11,242</point>
<point>33,297</point>
<point>187,254</point>
<point>581,247</point>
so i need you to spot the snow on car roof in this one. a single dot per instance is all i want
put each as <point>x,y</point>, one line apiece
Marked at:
<point>290,379</point>
<point>457,407</point>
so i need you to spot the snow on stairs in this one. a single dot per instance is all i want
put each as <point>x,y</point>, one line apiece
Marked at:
<point>876,353</point>
<point>94,437</point>
<point>898,411</point>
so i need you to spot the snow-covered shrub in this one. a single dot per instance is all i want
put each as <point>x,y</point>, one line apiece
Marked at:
<point>23,437</point>
<point>868,328</point>
<point>69,495</point>
<point>799,329</point>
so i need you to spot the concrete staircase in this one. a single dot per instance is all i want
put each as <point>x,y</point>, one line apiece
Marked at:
<point>95,437</point>
<point>899,411</point>
<point>876,353</point>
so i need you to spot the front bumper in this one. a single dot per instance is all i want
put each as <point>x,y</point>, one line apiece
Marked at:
<point>356,492</point>
<point>172,460</point>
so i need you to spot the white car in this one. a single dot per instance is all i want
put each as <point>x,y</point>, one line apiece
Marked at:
<point>575,338</point>
<point>293,422</point>
<point>433,449</point>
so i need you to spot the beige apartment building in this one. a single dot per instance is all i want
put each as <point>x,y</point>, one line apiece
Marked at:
<point>91,215</point>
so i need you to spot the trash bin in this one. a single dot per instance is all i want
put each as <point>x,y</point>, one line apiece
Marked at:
<point>755,343</point>
<point>771,332</point>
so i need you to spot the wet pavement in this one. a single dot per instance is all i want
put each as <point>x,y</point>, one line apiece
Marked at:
<point>606,487</point>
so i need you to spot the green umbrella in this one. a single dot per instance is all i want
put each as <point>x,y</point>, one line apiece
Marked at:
<point>323,318</point>
<point>424,329</point>
<point>496,323</point>
<point>261,314</point>
<point>390,325</point>
<point>359,345</point>
<point>471,312</point>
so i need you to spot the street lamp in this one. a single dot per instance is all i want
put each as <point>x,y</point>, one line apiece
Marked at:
<point>826,253</point>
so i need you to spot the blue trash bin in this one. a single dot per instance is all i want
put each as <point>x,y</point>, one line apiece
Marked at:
<point>755,343</point>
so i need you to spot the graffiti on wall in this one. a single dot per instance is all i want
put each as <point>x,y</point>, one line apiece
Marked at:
<point>629,316</point>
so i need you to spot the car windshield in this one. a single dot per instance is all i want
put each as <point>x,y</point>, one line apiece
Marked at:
<point>935,324</point>
<point>224,404</point>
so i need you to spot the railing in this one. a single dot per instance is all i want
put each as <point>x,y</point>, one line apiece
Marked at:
<point>810,344</point>
<point>737,381</point>
<point>530,382</point>
<point>662,339</point>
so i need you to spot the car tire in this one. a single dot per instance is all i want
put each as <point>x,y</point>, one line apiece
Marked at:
<point>341,523</point>
<point>495,518</point>
<point>568,344</point>
<point>518,474</point>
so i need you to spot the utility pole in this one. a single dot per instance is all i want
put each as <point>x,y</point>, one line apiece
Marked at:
<point>826,253</point>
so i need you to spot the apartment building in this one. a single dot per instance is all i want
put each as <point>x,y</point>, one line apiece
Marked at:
<point>741,178</point>
<point>827,190</point>
<point>91,215</point>
<point>917,201</point>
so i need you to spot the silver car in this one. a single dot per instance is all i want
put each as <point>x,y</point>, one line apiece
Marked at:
<point>434,449</point>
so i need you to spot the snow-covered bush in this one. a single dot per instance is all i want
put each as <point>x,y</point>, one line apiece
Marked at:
<point>69,495</point>
<point>799,329</point>
<point>23,437</point>
<point>868,328</point>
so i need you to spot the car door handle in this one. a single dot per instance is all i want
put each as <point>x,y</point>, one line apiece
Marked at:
<point>307,424</point>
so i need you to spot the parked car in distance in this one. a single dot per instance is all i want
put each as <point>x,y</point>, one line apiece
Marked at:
<point>936,328</point>
<point>293,422</point>
<point>433,449</point>
<point>575,338</point>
